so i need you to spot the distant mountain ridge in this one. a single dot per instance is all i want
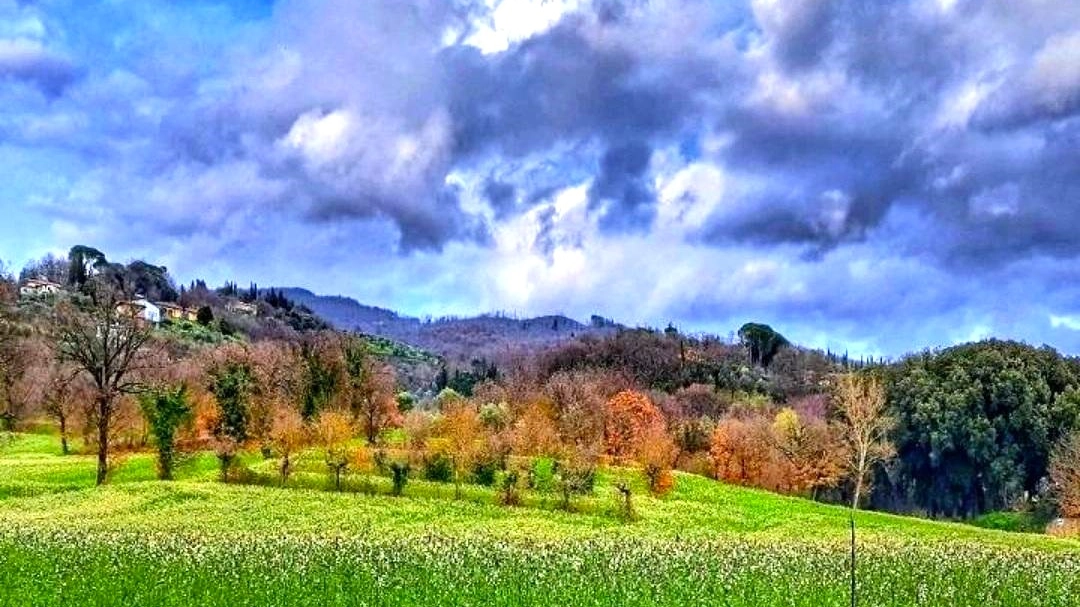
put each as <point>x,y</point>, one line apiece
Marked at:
<point>457,339</point>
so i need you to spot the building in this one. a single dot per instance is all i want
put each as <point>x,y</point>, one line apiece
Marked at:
<point>40,287</point>
<point>141,309</point>
<point>239,307</point>
<point>177,312</point>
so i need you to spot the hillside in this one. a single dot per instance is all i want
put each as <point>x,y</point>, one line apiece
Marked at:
<point>458,339</point>
<point>206,543</point>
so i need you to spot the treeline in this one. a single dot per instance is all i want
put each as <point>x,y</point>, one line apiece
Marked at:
<point>955,433</point>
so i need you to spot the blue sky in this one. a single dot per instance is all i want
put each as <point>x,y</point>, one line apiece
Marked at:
<point>875,177</point>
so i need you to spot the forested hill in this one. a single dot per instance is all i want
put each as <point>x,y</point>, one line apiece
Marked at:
<point>457,339</point>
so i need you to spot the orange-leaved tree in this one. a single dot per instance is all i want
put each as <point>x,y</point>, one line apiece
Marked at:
<point>629,415</point>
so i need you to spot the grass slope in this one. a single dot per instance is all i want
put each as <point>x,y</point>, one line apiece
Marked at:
<point>196,541</point>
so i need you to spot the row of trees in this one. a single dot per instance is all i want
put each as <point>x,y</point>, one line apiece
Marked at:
<point>955,433</point>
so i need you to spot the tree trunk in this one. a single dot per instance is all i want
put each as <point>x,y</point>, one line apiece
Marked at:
<point>103,440</point>
<point>63,435</point>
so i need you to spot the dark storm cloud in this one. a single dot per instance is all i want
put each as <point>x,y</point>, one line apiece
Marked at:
<point>621,192</point>
<point>558,86</point>
<point>926,141</point>
<point>501,195</point>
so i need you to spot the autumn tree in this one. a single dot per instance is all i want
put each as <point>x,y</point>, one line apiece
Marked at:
<point>741,452</point>
<point>860,405</point>
<point>656,454</point>
<point>288,436</point>
<point>534,431</point>
<point>371,390</point>
<point>463,432</point>
<point>1065,475</point>
<point>629,415</point>
<point>815,455</point>
<point>165,410</point>
<point>106,344</point>
<point>579,400</point>
<point>277,386</point>
<point>334,430</point>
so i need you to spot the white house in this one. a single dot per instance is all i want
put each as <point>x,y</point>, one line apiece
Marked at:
<point>142,309</point>
<point>40,287</point>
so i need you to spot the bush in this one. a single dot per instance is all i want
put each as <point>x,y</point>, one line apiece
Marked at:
<point>1016,522</point>
<point>485,470</point>
<point>509,488</point>
<point>399,472</point>
<point>542,475</point>
<point>438,468</point>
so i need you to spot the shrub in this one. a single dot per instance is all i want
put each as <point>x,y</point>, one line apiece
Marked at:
<point>485,470</point>
<point>399,472</point>
<point>542,475</point>
<point>438,468</point>
<point>626,504</point>
<point>166,410</point>
<point>509,487</point>
<point>574,477</point>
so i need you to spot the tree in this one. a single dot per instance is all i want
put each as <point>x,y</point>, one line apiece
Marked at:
<point>741,453</point>
<point>231,384</point>
<point>204,316</point>
<point>371,386</point>
<point>463,432</point>
<point>534,432</point>
<point>656,453</point>
<point>166,409</point>
<point>49,267</point>
<point>762,342</point>
<point>815,455</point>
<point>8,289</point>
<point>333,431</point>
<point>82,262</point>
<point>278,386</point>
<point>629,416</point>
<point>866,426</point>
<point>65,393</point>
<point>575,475</point>
<point>1065,475</point>
<point>977,424</point>
<point>19,363</point>
<point>288,435</point>
<point>322,370</point>
<point>106,344</point>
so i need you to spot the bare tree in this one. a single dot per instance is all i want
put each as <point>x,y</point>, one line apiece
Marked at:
<point>105,341</point>
<point>865,424</point>
<point>64,392</point>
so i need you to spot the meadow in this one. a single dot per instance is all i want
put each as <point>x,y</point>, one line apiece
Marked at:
<point>196,541</point>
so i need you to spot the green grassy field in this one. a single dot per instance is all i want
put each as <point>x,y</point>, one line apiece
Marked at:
<point>195,541</point>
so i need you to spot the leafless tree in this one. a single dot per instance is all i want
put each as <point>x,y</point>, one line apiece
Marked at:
<point>106,342</point>
<point>866,425</point>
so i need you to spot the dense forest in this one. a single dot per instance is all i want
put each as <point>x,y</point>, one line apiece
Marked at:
<point>957,432</point>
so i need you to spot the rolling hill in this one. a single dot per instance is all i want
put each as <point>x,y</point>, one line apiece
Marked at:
<point>459,340</point>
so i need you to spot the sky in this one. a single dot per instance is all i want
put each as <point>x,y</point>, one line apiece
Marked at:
<point>875,177</point>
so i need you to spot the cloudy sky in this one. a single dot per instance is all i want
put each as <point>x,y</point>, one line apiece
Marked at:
<point>870,176</point>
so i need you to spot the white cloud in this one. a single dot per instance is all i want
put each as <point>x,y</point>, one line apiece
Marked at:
<point>511,21</point>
